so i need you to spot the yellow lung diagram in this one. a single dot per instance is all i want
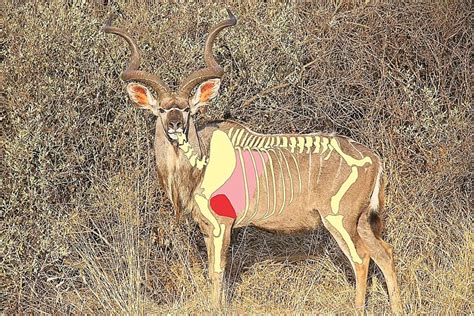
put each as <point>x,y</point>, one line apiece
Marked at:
<point>239,160</point>
<point>221,163</point>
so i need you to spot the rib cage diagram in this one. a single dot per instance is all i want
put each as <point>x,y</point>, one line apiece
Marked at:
<point>243,167</point>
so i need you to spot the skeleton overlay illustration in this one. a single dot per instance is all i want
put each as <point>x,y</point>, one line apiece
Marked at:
<point>238,159</point>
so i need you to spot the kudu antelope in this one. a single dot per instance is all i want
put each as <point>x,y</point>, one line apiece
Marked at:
<point>228,176</point>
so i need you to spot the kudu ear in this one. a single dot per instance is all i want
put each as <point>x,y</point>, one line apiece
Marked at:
<point>142,97</point>
<point>204,94</point>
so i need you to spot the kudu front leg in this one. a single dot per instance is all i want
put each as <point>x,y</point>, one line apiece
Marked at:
<point>217,247</point>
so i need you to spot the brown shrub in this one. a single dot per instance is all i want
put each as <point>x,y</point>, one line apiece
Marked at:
<point>84,225</point>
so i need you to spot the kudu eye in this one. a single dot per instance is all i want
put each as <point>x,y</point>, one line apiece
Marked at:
<point>186,110</point>
<point>162,110</point>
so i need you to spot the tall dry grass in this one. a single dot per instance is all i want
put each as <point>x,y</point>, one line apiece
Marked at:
<point>85,228</point>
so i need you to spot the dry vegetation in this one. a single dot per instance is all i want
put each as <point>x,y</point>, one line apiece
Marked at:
<point>85,228</point>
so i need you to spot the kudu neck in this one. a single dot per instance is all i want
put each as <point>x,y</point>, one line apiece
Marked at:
<point>175,172</point>
<point>193,154</point>
<point>186,151</point>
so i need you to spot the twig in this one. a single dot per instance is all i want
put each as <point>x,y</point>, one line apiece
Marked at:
<point>265,92</point>
<point>278,86</point>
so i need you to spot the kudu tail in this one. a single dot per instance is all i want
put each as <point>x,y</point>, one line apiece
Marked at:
<point>376,204</point>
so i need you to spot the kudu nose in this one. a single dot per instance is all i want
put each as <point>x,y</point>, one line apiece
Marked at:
<point>174,125</point>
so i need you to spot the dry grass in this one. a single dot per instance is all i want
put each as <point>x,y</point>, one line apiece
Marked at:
<point>84,226</point>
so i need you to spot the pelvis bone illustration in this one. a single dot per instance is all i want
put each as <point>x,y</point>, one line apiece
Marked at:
<point>228,176</point>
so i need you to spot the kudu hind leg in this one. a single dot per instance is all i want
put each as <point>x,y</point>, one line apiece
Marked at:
<point>360,269</point>
<point>382,253</point>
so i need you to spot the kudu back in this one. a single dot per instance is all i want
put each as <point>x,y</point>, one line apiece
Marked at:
<point>228,176</point>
